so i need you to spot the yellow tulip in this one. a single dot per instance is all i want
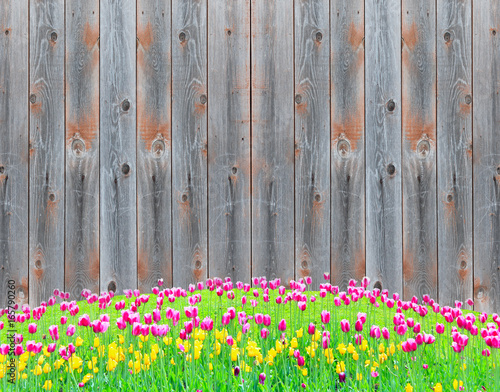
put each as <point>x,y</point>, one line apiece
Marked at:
<point>408,388</point>
<point>438,387</point>
<point>48,385</point>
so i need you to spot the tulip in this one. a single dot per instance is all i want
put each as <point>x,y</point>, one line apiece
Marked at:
<point>301,360</point>
<point>282,325</point>
<point>267,320</point>
<point>4,349</point>
<point>226,319</point>
<point>358,326</point>
<point>148,318</point>
<point>344,325</point>
<point>308,280</point>
<point>264,333</point>
<point>18,349</point>
<point>311,329</point>
<point>262,378</point>
<point>375,332</point>
<point>236,371</point>
<point>385,333</point>
<point>32,328</point>
<point>325,317</point>
<point>439,328</point>
<point>342,377</point>
<point>486,352</point>
<point>358,338</point>
<point>70,331</point>
<point>259,318</point>
<point>326,276</point>
<point>302,305</point>
<point>229,340</point>
<point>54,332</point>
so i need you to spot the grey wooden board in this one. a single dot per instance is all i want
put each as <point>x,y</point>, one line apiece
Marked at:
<point>189,141</point>
<point>312,139</point>
<point>383,143</point>
<point>419,148</point>
<point>82,147</point>
<point>118,206</point>
<point>46,168</point>
<point>272,140</point>
<point>454,149</point>
<point>14,150</point>
<point>347,141</point>
<point>486,131</point>
<point>154,152</point>
<point>229,214</point>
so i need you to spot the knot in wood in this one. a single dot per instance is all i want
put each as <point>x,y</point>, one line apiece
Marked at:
<point>112,286</point>
<point>38,264</point>
<point>343,148</point>
<point>158,148</point>
<point>125,105</point>
<point>447,36</point>
<point>203,99</point>
<point>494,32</point>
<point>53,36</point>
<point>229,32</point>
<point>463,265</point>
<point>498,170</point>
<point>32,98</point>
<point>182,36</point>
<point>184,197</point>
<point>317,197</point>
<point>468,99</point>
<point>2,169</point>
<point>78,147</point>
<point>391,105</point>
<point>52,197</point>
<point>480,293</point>
<point>391,169</point>
<point>319,36</point>
<point>197,264</point>
<point>298,99</point>
<point>423,148</point>
<point>449,198</point>
<point>304,264</point>
<point>7,32</point>
<point>234,169</point>
<point>125,168</point>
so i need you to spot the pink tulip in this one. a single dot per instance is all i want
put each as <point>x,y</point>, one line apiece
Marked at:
<point>341,377</point>
<point>358,338</point>
<point>262,378</point>
<point>375,332</point>
<point>264,333</point>
<point>259,318</point>
<point>311,329</point>
<point>226,319</point>
<point>64,320</point>
<point>70,330</point>
<point>385,333</point>
<point>84,321</point>
<point>32,328</point>
<point>302,305</point>
<point>120,323</point>
<point>358,326</point>
<point>267,320</point>
<point>229,340</point>
<point>326,276</point>
<point>439,328</point>
<point>344,325</point>
<point>486,352</point>
<point>308,280</point>
<point>282,325</point>
<point>419,338</point>
<point>54,332</point>
<point>136,329</point>
<point>243,300</point>
<point>18,349</point>
<point>301,360</point>
<point>429,339</point>
<point>325,317</point>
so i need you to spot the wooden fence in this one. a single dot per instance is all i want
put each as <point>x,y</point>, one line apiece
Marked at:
<point>191,138</point>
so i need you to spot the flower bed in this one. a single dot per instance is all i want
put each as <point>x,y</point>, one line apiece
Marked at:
<point>254,337</point>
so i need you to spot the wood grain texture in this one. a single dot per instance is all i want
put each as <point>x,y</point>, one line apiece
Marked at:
<point>229,215</point>
<point>154,151</point>
<point>272,140</point>
<point>383,143</point>
<point>189,141</point>
<point>347,141</point>
<point>82,147</point>
<point>486,131</point>
<point>312,139</point>
<point>419,148</point>
<point>46,203</point>
<point>118,207</point>
<point>14,150</point>
<point>454,151</point>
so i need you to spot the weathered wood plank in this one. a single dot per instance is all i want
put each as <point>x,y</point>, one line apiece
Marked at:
<point>272,140</point>
<point>47,139</point>
<point>82,147</point>
<point>189,141</point>
<point>229,139</point>
<point>486,160</point>
<point>454,151</point>
<point>312,139</point>
<point>347,141</point>
<point>118,207</point>
<point>419,148</point>
<point>383,143</point>
<point>154,152</point>
<point>14,149</point>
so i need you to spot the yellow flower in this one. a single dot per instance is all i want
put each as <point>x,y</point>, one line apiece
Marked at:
<point>75,362</point>
<point>46,368</point>
<point>279,346</point>
<point>272,353</point>
<point>238,337</point>
<point>340,367</point>
<point>78,341</point>
<point>392,349</point>
<point>48,385</point>
<point>342,348</point>
<point>304,371</point>
<point>96,342</point>
<point>24,376</point>
<point>464,366</point>
<point>381,348</point>
<point>350,348</point>
<point>294,343</point>
<point>121,339</point>
<point>438,387</point>
<point>37,370</point>
<point>355,356</point>
<point>210,366</point>
<point>359,376</point>
<point>300,333</point>
<point>234,354</point>
<point>111,365</point>
<point>41,358</point>
<point>172,361</point>
<point>364,345</point>
<point>167,340</point>
<point>408,388</point>
<point>316,335</point>
<point>456,384</point>
<point>310,351</point>
<point>87,377</point>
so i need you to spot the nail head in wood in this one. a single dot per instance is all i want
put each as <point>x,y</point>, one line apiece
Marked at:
<point>125,168</point>
<point>184,197</point>
<point>197,264</point>
<point>298,99</point>
<point>182,36</point>
<point>391,105</point>
<point>32,98</point>
<point>112,286</point>
<point>447,36</point>
<point>38,264</point>
<point>203,99</point>
<point>468,99</point>
<point>391,169</point>
<point>53,36</point>
<point>125,105</point>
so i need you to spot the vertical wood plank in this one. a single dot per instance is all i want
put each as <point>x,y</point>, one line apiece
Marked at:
<point>383,143</point>
<point>118,206</point>
<point>486,131</point>
<point>272,140</point>
<point>229,139</point>
<point>82,147</point>
<point>419,148</point>
<point>154,152</point>
<point>312,139</point>
<point>14,149</point>
<point>347,141</point>
<point>189,141</point>
<point>454,148</point>
<point>47,139</point>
